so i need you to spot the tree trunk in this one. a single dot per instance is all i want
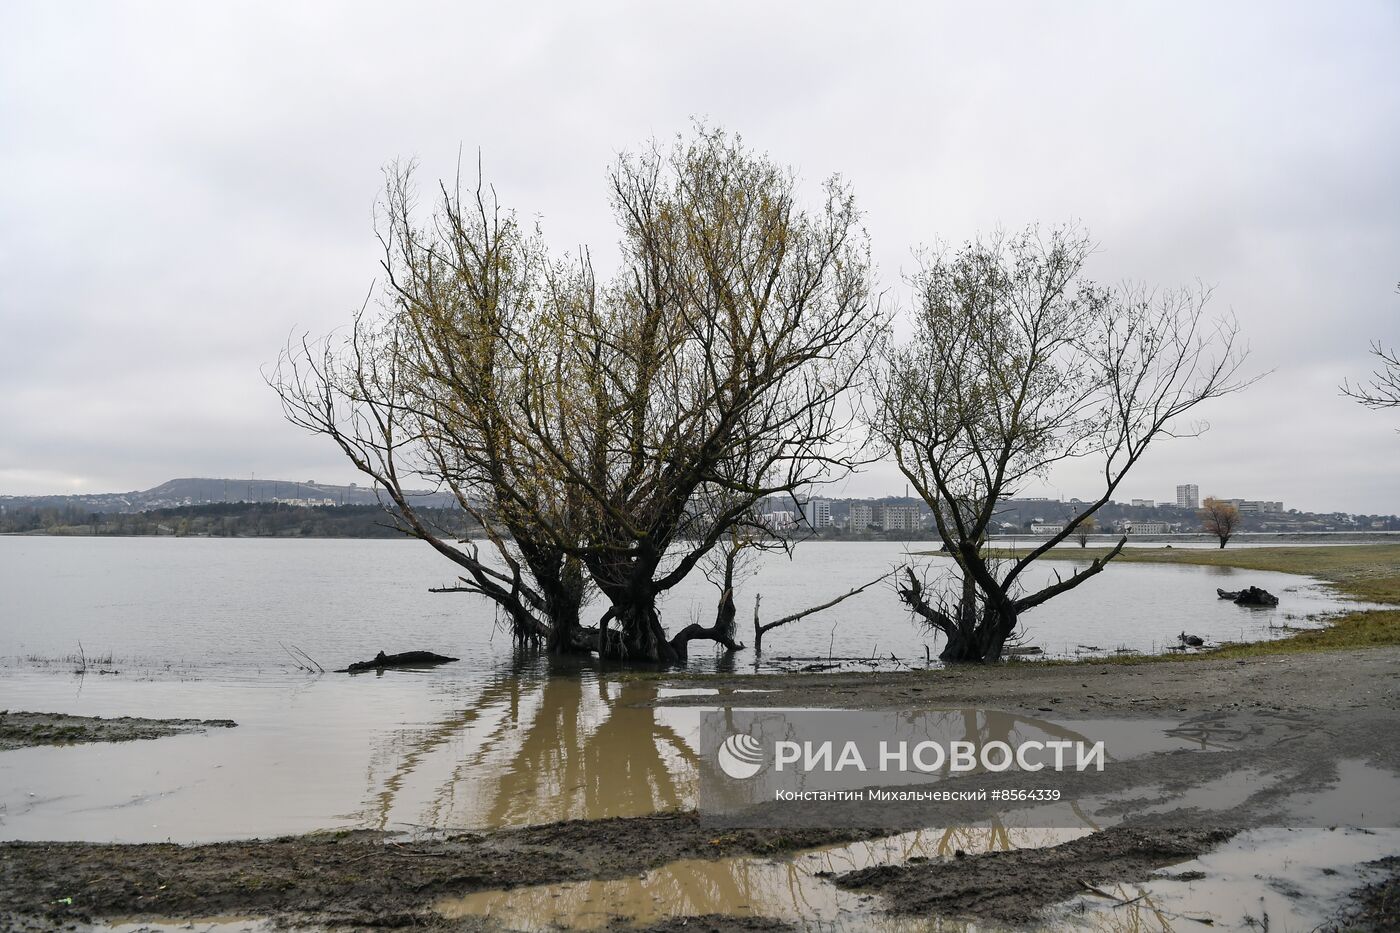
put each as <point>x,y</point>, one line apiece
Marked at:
<point>563,596</point>
<point>638,635</point>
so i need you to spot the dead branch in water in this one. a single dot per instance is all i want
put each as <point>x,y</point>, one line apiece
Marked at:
<point>302,660</point>
<point>761,628</point>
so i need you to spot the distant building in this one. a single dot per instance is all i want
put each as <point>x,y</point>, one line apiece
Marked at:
<point>1188,496</point>
<point>1257,506</point>
<point>1041,528</point>
<point>1147,528</point>
<point>862,516</point>
<point>781,520</point>
<point>1144,504</point>
<point>899,518</point>
<point>819,513</point>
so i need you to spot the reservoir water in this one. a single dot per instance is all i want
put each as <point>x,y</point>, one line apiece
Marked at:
<point>194,628</point>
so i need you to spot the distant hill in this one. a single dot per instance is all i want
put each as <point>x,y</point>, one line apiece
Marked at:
<point>198,491</point>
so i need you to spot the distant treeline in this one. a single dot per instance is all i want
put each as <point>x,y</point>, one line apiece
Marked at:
<point>230,520</point>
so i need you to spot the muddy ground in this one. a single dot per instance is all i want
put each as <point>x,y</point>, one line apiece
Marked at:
<point>354,878</point>
<point>20,729</point>
<point>1321,707</point>
<point>1011,887</point>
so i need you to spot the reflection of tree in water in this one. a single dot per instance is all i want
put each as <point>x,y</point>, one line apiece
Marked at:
<point>742,886</point>
<point>798,888</point>
<point>563,769</point>
<point>538,750</point>
<point>1124,908</point>
<point>546,748</point>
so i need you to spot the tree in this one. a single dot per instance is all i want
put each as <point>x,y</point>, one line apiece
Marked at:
<point>1383,391</point>
<point>1220,518</point>
<point>1019,363</point>
<point>426,389</point>
<point>608,434</point>
<point>1085,529</point>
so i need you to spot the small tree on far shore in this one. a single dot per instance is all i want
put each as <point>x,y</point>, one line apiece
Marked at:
<point>1085,529</point>
<point>1220,518</point>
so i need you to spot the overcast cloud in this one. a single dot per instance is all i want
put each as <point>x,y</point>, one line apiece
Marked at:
<point>182,185</point>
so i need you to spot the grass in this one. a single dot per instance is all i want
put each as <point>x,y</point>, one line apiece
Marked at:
<point>1367,572</point>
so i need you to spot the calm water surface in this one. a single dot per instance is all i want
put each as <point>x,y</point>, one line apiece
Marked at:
<point>194,626</point>
<point>206,605</point>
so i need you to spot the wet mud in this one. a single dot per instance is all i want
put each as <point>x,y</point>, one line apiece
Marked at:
<point>20,729</point>
<point>1014,887</point>
<point>1272,742</point>
<point>352,878</point>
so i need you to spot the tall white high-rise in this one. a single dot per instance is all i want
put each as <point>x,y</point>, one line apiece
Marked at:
<point>1188,496</point>
<point>819,513</point>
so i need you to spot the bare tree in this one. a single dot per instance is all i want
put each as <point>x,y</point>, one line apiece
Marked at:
<point>425,391</point>
<point>1018,364</point>
<point>1085,529</point>
<point>1220,518</point>
<point>711,373</point>
<point>615,432</point>
<point>1383,391</point>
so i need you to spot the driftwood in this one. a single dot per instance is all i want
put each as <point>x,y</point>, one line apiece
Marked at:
<point>405,659</point>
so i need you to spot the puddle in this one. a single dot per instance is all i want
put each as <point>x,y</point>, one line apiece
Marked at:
<point>1264,879</point>
<point>1218,795</point>
<point>1362,795</point>
<point>797,889</point>
<point>667,693</point>
<point>196,925</point>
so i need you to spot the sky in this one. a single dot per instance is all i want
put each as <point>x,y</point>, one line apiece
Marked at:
<point>185,185</point>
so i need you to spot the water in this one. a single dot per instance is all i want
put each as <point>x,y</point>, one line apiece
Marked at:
<point>195,627</point>
<point>1262,879</point>
<point>221,607</point>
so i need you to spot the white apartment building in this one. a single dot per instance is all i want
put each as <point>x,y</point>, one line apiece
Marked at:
<point>862,516</point>
<point>900,518</point>
<point>1188,496</point>
<point>819,513</point>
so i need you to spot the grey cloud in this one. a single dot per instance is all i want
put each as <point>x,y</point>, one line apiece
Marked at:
<point>185,185</point>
